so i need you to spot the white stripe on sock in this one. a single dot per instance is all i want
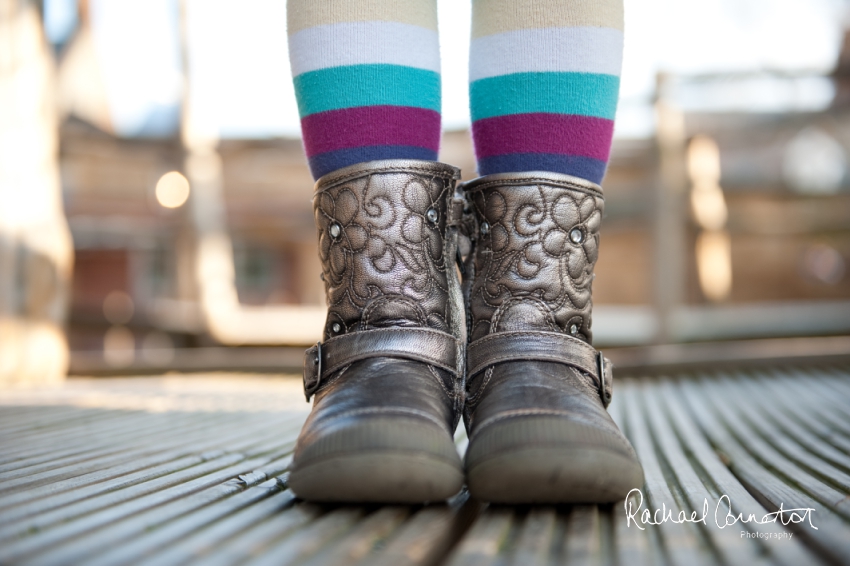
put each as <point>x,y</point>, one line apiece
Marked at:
<point>360,43</point>
<point>572,49</point>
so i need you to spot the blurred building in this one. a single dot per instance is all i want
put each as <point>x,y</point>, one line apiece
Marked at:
<point>789,242</point>
<point>781,201</point>
<point>128,243</point>
<point>35,245</point>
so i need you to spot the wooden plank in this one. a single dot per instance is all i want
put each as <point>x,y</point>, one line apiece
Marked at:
<point>40,418</point>
<point>793,441</point>
<point>830,539</point>
<point>807,429</point>
<point>537,537</point>
<point>774,459</point>
<point>833,378</point>
<point>210,539</point>
<point>723,482</point>
<point>196,495</point>
<point>682,543</point>
<point>136,436</point>
<point>16,513</point>
<point>113,498</point>
<point>582,536</point>
<point>50,419</point>
<point>728,544</point>
<point>256,531</point>
<point>243,440</point>
<point>429,534</point>
<point>482,544</point>
<point>73,437</point>
<point>160,535</point>
<point>295,547</point>
<point>797,388</point>
<point>631,545</point>
<point>358,544</point>
<point>117,505</point>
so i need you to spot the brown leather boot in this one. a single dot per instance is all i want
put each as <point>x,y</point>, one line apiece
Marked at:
<point>387,379</point>
<point>537,390</point>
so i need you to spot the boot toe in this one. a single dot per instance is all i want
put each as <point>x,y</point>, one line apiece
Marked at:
<point>550,459</point>
<point>390,458</point>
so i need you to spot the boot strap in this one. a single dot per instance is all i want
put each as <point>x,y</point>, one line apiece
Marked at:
<point>420,344</point>
<point>544,347</point>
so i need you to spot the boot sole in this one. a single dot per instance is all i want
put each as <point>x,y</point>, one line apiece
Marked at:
<point>547,459</point>
<point>377,477</point>
<point>384,459</point>
<point>562,474</point>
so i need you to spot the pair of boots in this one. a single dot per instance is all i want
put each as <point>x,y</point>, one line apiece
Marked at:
<point>408,348</point>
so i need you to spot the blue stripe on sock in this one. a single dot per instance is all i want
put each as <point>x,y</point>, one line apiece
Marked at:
<point>587,168</point>
<point>366,85</point>
<point>325,163</point>
<point>582,94</point>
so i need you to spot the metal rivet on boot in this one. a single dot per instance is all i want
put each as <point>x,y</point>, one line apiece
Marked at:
<point>573,329</point>
<point>335,327</point>
<point>432,216</point>
<point>335,230</point>
<point>576,236</point>
<point>485,228</point>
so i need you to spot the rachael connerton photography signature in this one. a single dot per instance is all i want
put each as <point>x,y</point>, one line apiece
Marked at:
<point>723,515</point>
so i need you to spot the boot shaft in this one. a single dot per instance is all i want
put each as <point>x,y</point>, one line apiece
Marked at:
<point>537,241</point>
<point>386,260</point>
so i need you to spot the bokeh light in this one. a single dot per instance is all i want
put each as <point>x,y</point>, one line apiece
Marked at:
<point>824,264</point>
<point>118,307</point>
<point>119,347</point>
<point>172,190</point>
<point>714,264</point>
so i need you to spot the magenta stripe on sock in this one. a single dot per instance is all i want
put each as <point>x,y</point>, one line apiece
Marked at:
<point>564,134</point>
<point>370,125</point>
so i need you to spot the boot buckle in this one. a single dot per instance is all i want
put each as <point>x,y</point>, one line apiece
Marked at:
<point>312,370</point>
<point>604,391</point>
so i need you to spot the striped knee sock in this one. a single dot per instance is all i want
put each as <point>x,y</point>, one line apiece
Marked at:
<point>367,80</point>
<point>544,78</point>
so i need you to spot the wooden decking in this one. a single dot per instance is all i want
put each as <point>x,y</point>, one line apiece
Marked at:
<point>176,470</point>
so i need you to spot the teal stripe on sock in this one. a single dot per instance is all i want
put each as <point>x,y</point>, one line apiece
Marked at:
<point>366,85</point>
<point>581,94</point>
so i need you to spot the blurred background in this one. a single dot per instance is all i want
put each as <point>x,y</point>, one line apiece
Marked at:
<point>155,202</point>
